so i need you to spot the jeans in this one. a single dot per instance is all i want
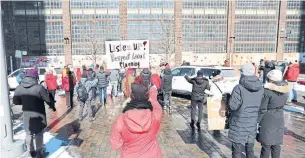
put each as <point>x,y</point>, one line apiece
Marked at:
<point>167,96</point>
<point>237,150</point>
<point>275,151</point>
<point>81,109</point>
<point>30,138</point>
<point>194,104</point>
<point>292,95</point>
<point>114,85</point>
<point>103,95</point>
<point>69,98</point>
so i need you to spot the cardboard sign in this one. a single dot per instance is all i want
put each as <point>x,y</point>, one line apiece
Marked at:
<point>127,54</point>
<point>215,121</point>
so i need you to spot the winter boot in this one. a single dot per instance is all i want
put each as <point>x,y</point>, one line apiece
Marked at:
<point>198,125</point>
<point>192,124</point>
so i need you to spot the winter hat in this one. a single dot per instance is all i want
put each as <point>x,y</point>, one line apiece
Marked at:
<point>248,70</point>
<point>130,71</point>
<point>275,75</point>
<point>200,73</point>
<point>139,80</point>
<point>32,73</point>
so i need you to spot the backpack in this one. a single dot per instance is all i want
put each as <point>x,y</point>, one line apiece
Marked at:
<point>82,93</point>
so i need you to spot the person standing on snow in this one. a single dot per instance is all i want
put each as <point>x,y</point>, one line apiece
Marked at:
<point>51,82</point>
<point>291,76</point>
<point>198,98</point>
<point>166,87</point>
<point>136,130</point>
<point>146,74</point>
<point>32,96</point>
<point>102,85</point>
<point>271,116</point>
<point>85,92</point>
<point>244,106</point>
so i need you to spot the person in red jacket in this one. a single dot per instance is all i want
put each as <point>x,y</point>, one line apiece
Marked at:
<point>78,74</point>
<point>68,83</point>
<point>51,82</point>
<point>291,76</point>
<point>136,130</point>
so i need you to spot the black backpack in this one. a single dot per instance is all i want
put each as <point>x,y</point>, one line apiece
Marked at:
<point>82,93</point>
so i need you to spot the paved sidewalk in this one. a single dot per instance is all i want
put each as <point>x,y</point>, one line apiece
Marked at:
<point>176,137</point>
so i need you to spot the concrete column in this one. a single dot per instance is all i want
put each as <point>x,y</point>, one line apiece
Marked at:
<point>178,32</point>
<point>281,36</point>
<point>230,30</point>
<point>66,11</point>
<point>9,147</point>
<point>123,19</point>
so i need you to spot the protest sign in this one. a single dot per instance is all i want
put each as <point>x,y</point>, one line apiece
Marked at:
<point>215,120</point>
<point>127,54</point>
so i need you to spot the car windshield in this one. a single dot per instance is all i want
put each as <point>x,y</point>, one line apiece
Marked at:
<point>228,73</point>
<point>57,70</point>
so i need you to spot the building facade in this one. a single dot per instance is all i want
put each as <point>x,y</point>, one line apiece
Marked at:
<point>203,32</point>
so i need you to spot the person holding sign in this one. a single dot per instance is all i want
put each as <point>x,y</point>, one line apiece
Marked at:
<point>244,106</point>
<point>198,98</point>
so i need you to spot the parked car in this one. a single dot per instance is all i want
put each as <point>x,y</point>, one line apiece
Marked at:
<point>181,86</point>
<point>12,81</point>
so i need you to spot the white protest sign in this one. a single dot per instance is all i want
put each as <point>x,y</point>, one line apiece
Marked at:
<point>127,54</point>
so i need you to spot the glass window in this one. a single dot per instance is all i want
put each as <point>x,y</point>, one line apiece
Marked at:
<point>228,73</point>
<point>176,72</point>
<point>187,72</point>
<point>42,71</point>
<point>207,72</point>
<point>14,74</point>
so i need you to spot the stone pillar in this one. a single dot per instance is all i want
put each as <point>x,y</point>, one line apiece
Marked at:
<point>230,31</point>
<point>123,19</point>
<point>178,32</point>
<point>66,12</point>
<point>281,36</point>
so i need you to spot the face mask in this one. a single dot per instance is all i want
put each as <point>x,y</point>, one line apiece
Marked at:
<point>71,69</point>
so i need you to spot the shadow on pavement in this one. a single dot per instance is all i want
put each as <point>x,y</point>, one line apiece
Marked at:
<point>63,137</point>
<point>203,143</point>
<point>294,135</point>
<point>55,122</point>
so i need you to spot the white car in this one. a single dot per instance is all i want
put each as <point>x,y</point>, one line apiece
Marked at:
<point>181,86</point>
<point>12,81</point>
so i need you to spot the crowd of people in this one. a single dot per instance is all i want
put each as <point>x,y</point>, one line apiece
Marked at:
<point>254,108</point>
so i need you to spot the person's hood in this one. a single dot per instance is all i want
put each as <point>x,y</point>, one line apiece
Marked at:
<point>200,80</point>
<point>251,83</point>
<point>295,66</point>
<point>217,78</point>
<point>281,87</point>
<point>145,71</point>
<point>28,82</point>
<point>138,121</point>
<point>167,71</point>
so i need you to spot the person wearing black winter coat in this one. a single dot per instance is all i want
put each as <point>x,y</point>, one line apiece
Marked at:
<point>166,87</point>
<point>32,96</point>
<point>146,74</point>
<point>266,68</point>
<point>244,107</point>
<point>198,98</point>
<point>271,116</point>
